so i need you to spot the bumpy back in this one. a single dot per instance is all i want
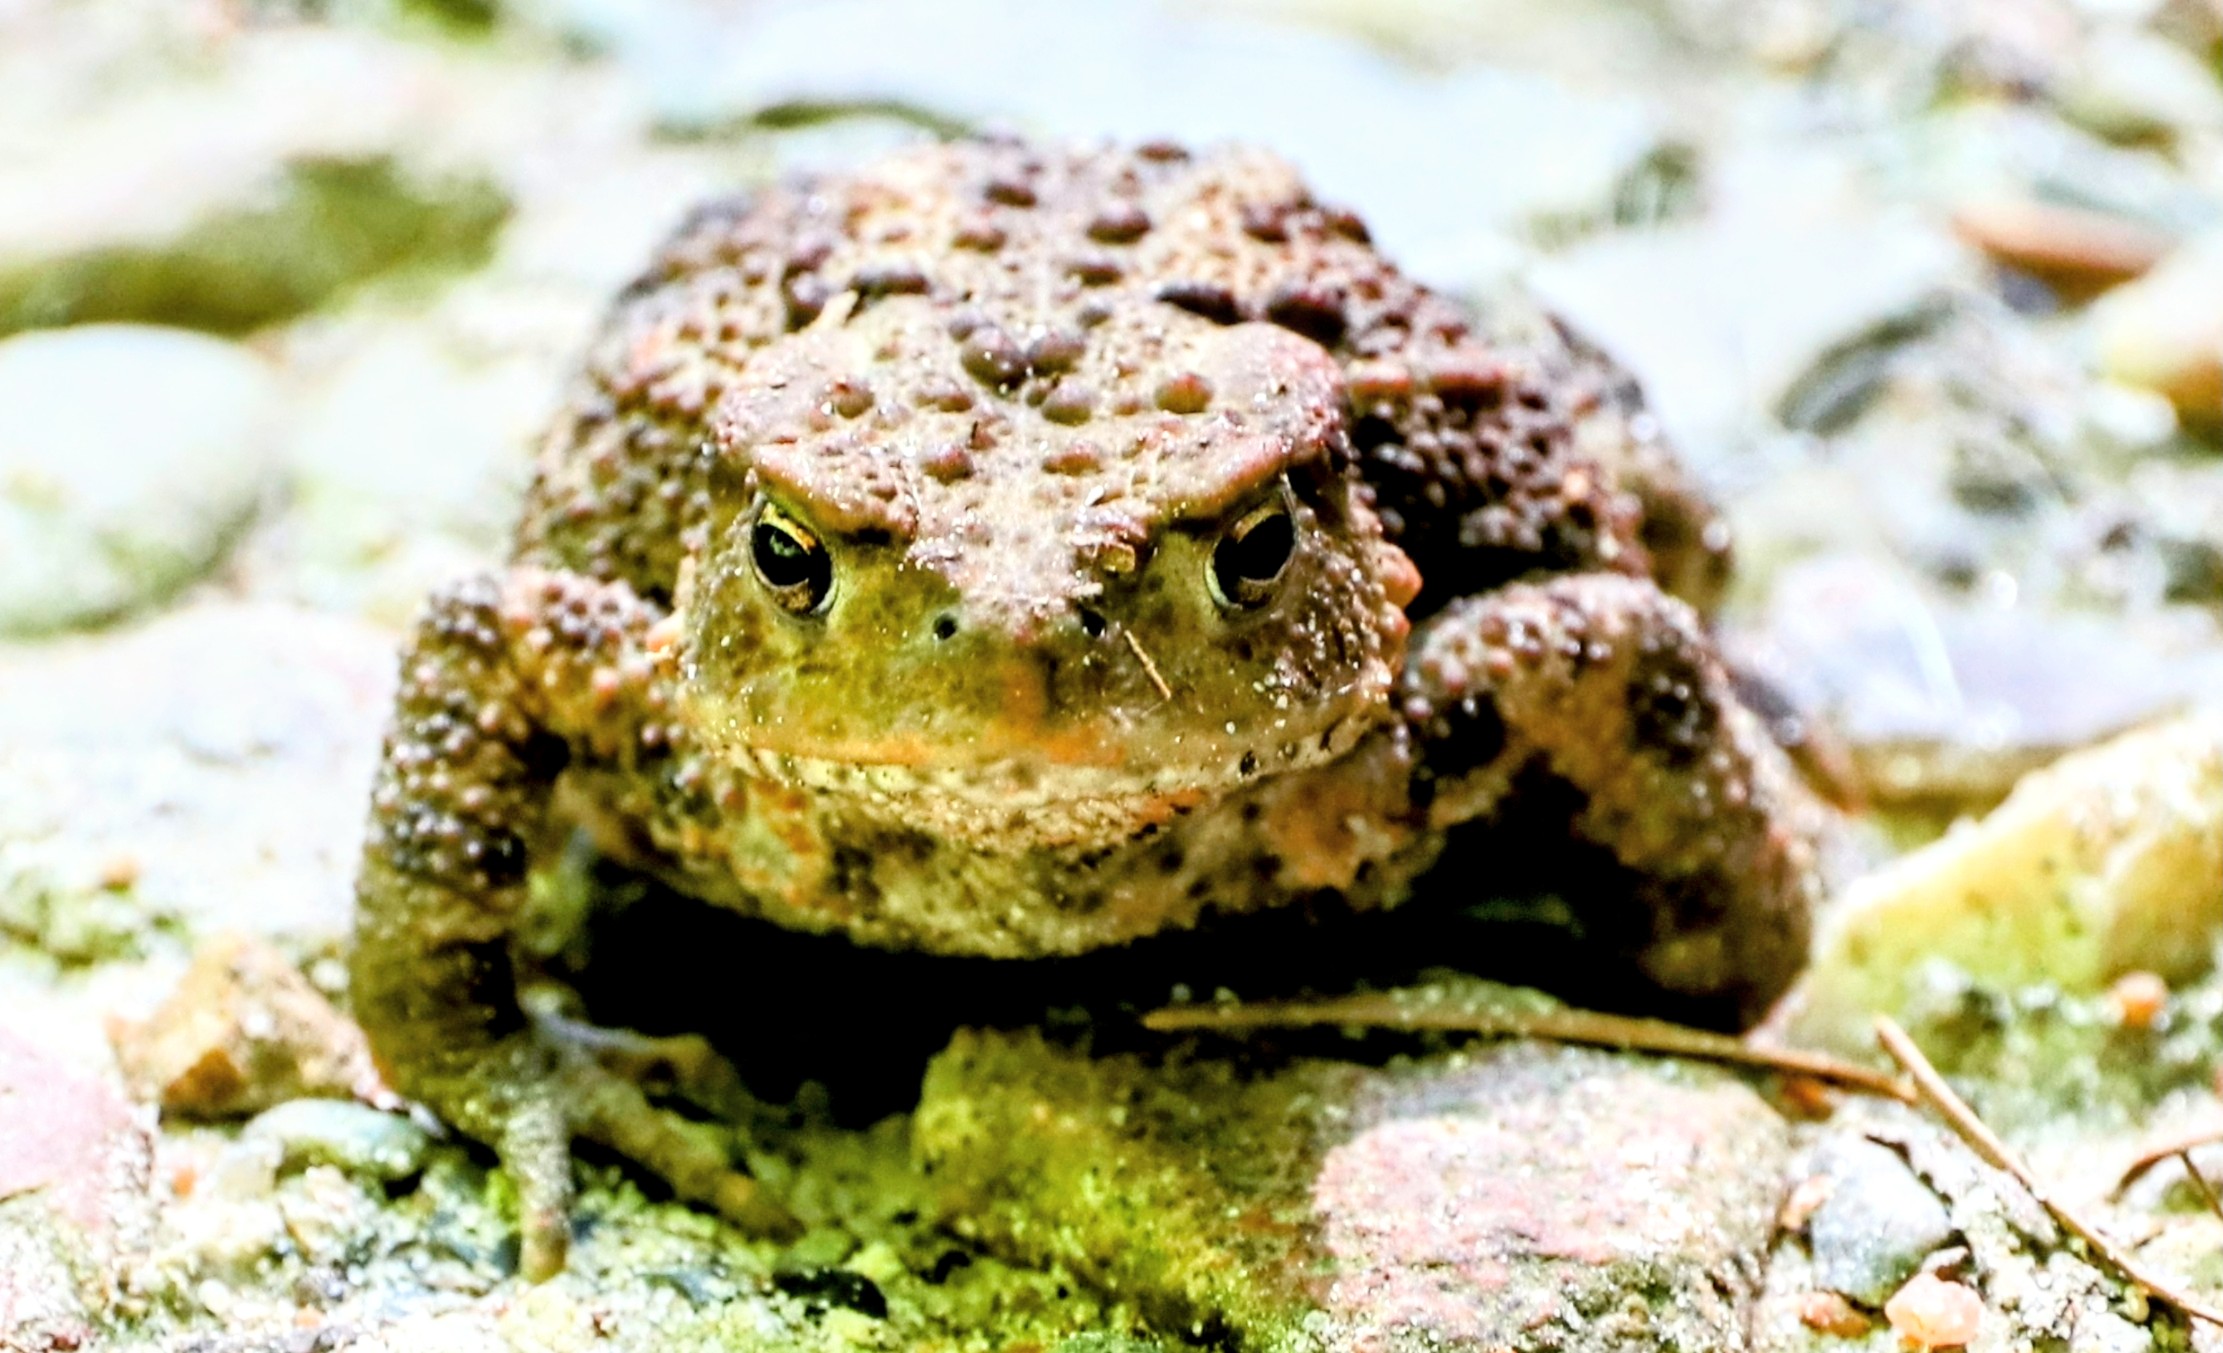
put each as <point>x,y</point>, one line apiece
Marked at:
<point>1470,450</point>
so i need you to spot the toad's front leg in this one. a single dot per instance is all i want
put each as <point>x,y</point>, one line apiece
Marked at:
<point>1610,686</point>
<point>507,682</point>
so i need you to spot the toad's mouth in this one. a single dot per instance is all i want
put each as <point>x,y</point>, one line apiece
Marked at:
<point>1014,805</point>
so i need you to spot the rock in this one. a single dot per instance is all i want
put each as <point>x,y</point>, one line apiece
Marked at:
<point>2164,332</point>
<point>353,1137</point>
<point>229,204</point>
<point>1944,703</point>
<point>1365,129</point>
<point>1720,319</point>
<point>2077,251</point>
<point>224,749</point>
<point>130,460</point>
<point>2131,84</point>
<point>244,1031</point>
<point>75,1203</point>
<point>2103,863</point>
<point>1877,1224</point>
<point>1519,1197</point>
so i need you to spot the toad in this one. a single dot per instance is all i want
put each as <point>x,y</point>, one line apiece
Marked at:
<point>1015,551</point>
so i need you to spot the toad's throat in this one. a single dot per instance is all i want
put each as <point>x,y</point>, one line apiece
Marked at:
<point>1011,806</point>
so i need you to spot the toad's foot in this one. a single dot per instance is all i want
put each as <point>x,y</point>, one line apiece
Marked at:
<point>1609,685</point>
<point>507,683</point>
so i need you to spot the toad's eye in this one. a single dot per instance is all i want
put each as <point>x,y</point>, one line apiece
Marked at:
<point>1252,556</point>
<point>790,562</point>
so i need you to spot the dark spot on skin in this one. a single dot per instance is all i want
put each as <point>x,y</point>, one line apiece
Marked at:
<point>1119,223</point>
<point>1468,380</point>
<point>1248,766</point>
<point>1092,623</point>
<point>849,398</point>
<point>1465,736</point>
<point>1162,152</point>
<point>1669,714</point>
<point>1095,270</point>
<point>1011,192</point>
<point>1347,223</point>
<point>1266,222</point>
<point>945,626</point>
<point>991,358</point>
<point>980,235</point>
<point>1310,309</point>
<point>1055,352</point>
<point>1070,404</point>
<point>894,279</point>
<point>1184,393</point>
<point>1206,300</point>
<point>805,295</point>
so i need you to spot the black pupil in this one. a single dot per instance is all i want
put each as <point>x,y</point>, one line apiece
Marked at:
<point>1256,556</point>
<point>787,562</point>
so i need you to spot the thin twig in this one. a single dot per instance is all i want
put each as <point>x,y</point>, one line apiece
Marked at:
<point>1150,668</point>
<point>2169,1150</point>
<point>1986,1143</point>
<point>1588,1027</point>
<point>2200,1182</point>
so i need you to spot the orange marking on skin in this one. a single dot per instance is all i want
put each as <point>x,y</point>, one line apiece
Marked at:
<point>1400,577</point>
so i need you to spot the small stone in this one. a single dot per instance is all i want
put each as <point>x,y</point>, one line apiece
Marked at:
<point>1830,1314</point>
<point>353,1137</point>
<point>243,1031</point>
<point>1878,1223</point>
<point>2138,998</point>
<point>1933,1312</point>
<point>2077,251</point>
<point>2101,864</point>
<point>130,461</point>
<point>2164,332</point>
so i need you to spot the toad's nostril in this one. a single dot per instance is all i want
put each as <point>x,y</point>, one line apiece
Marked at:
<point>1093,623</point>
<point>945,626</point>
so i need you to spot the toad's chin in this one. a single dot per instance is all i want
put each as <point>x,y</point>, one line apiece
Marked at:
<point>1017,805</point>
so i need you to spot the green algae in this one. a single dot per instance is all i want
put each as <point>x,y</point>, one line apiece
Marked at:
<point>324,226</point>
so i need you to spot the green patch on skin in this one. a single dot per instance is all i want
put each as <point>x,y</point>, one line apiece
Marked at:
<point>325,225</point>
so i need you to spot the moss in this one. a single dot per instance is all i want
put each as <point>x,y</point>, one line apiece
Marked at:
<point>326,225</point>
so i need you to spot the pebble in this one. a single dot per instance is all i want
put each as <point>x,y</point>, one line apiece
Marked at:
<point>130,461</point>
<point>243,1031</point>
<point>2101,864</point>
<point>1933,1312</point>
<point>2164,332</point>
<point>354,1137</point>
<point>1878,1223</point>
